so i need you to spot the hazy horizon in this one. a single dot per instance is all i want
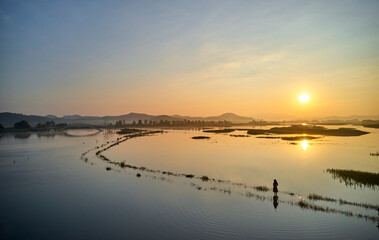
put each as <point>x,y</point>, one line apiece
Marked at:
<point>252,58</point>
<point>268,117</point>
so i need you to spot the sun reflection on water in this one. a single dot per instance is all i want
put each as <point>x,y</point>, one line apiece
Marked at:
<point>304,144</point>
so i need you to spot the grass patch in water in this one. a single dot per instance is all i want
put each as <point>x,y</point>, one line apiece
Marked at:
<point>239,135</point>
<point>320,197</point>
<point>257,131</point>
<point>227,130</point>
<point>261,188</point>
<point>201,137</point>
<point>269,137</point>
<point>355,178</point>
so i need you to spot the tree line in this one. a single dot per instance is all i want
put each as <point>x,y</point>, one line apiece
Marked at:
<point>167,123</point>
<point>40,126</point>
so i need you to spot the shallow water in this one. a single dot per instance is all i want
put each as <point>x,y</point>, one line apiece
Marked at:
<point>47,192</point>
<point>298,168</point>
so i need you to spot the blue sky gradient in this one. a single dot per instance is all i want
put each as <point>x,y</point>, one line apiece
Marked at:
<point>189,57</point>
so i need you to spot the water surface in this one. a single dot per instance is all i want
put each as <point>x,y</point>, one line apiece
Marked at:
<point>47,192</point>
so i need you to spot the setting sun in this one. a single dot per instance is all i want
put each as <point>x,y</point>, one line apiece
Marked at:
<point>304,98</point>
<point>304,144</point>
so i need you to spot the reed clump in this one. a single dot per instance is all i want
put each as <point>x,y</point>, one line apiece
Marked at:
<point>261,188</point>
<point>204,178</point>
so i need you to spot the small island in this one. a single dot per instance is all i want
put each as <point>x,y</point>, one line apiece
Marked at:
<point>201,137</point>
<point>309,129</point>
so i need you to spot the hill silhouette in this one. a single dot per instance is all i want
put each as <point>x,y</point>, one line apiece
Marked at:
<point>8,119</point>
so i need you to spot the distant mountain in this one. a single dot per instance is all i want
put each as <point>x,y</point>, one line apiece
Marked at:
<point>234,118</point>
<point>8,119</point>
<point>51,116</point>
<point>71,117</point>
<point>166,118</point>
<point>130,117</point>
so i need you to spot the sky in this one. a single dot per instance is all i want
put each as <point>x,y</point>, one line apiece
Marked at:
<point>198,58</point>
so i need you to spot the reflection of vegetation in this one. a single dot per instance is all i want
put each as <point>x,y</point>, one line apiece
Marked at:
<point>308,129</point>
<point>226,130</point>
<point>299,138</point>
<point>355,178</point>
<point>23,135</point>
<point>201,137</point>
<point>314,196</point>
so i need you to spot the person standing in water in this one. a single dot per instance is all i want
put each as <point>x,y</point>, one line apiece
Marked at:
<point>275,185</point>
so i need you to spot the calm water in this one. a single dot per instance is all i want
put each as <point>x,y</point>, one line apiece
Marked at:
<point>47,192</point>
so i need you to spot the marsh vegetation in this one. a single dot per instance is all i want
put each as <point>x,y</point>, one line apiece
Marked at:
<point>355,178</point>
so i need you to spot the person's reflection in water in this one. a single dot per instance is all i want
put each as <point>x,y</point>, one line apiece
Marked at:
<point>276,201</point>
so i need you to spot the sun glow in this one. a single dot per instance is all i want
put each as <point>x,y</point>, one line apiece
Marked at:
<point>304,144</point>
<point>304,98</point>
